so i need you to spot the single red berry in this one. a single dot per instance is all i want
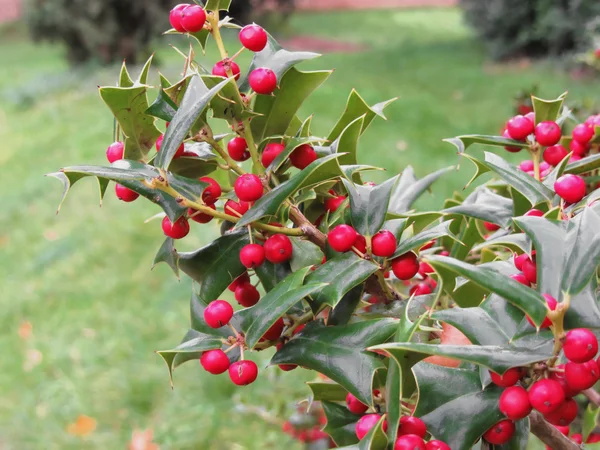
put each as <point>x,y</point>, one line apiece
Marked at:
<point>355,406</point>
<point>253,37</point>
<point>437,445</point>
<point>547,133</point>
<point>271,152</point>
<point>510,148</point>
<point>220,69</point>
<point>287,367</point>
<point>546,395</point>
<point>360,243</point>
<point>342,238</point>
<point>242,279</point>
<point>215,361</point>
<point>583,133</point>
<point>125,194</point>
<point>565,430</point>
<point>412,425</point>
<point>514,403</point>
<point>193,18</point>
<point>519,259</point>
<point>554,154</point>
<point>218,313</point>
<point>526,166</point>
<point>510,377</point>
<point>420,289</point>
<point>580,345</point>
<point>444,253</point>
<point>175,17</point>
<point>577,438</point>
<point>238,149</point>
<point>425,269</point>
<point>262,81</point>
<point>551,303</point>
<point>500,433</point>
<point>405,266</point>
<point>243,373</point>
<point>247,295</point>
<point>491,226</point>
<point>180,150</point>
<point>582,376</point>
<point>530,270</point>
<point>431,282</point>
<point>427,245</point>
<point>177,230</point>
<point>562,380</point>
<point>274,332</point>
<point>570,187</point>
<point>594,437</point>
<point>237,209</point>
<point>200,217</point>
<point>252,255</point>
<point>365,423</point>
<point>332,204</point>
<point>534,213</point>
<point>278,248</point>
<point>114,152</point>
<point>565,414</point>
<point>384,244</point>
<point>519,127</point>
<point>578,148</point>
<point>212,192</point>
<point>520,278</point>
<point>302,156</point>
<point>248,187</point>
<point>574,158</point>
<point>409,442</point>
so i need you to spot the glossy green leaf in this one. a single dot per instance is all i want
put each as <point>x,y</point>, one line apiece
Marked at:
<point>485,204</point>
<point>342,273</point>
<point>326,391</point>
<point>271,274</point>
<point>547,109</point>
<point>584,165</point>
<point>193,166</point>
<point>316,172</point>
<point>195,101</point>
<point>469,237</point>
<point>163,107</point>
<point>177,90</point>
<point>339,353</point>
<point>340,423</point>
<point>168,254</point>
<point>369,205</point>
<point>305,254</point>
<point>556,173</point>
<point>517,242</point>
<point>464,142</point>
<point>476,324</point>
<point>347,143</point>
<point>420,239</point>
<point>344,310</point>
<point>293,144</point>
<point>409,188</point>
<point>228,104</point>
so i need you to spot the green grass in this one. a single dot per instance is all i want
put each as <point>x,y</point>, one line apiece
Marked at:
<point>82,278</point>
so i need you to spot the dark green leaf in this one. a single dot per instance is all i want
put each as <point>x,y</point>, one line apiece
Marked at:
<point>476,324</point>
<point>270,274</point>
<point>340,423</point>
<point>305,254</point>
<point>168,255</point>
<point>342,313</point>
<point>409,188</point>
<point>584,165</point>
<point>486,205</point>
<point>516,242</point>
<point>163,107</point>
<point>464,142</point>
<point>326,391</point>
<point>347,143</point>
<point>228,104</point>
<point>418,240</point>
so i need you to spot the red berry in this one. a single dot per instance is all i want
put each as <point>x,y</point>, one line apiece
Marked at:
<point>409,442</point>
<point>287,367</point>
<point>234,208</point>
<point>425,269</point>
<point>510,148</point>
<point>420,289</point>
<point>554,154</point>
<point>405,266</point>
<point>332,204</point>
<point>551,302</point>
<point>518,260</point>
<point>412,425</point>
<point>519,127</point>
<point>546,395</point>
<point>342,238</point>
<point>278,248</point>
<point>252,255</point>
<point>562,380</point>
<point>574,158</point>
<point>243,373</point>
<point>125,194</point>
<point>214,361</point>
<point>193,18</point>
<point>365,423</point>
<point>547,133</point>
<point>436,445</point>
<point>580,345</point>
<point>520,278</point>
<point>383,244</point>
<point>594,437</point>
<point>570,187</point>
<point>563,429</point>
<point>302,156</point>
<point>247,295</point>
<point>180,151</point>
<point>238,149</point>
<point>262,81</point>
<point>491,226</point>
<point>242,279</point>
<point>199,217</point>
<point>253,37</point>
<point>534,213</point>
<point>565,414</point>
<point>578,148</point>
<point>530,270</point>
<point>114,152</point>
<point>526,166</point>
<point>274,332</point>
<point>360,243</point>
<point>175,16</point>
<point>212,192</point>
<point>514,403</point>
<point>577,438</point>
<point>500,433</point>
<point>218,314</point>
<point>177,230</point>
<point>354,405</point>
<point>248,187</point>
<point>220,69</point>
<point>583,133</point>
<point>582,376</point>
<point>510,377</point>
<point>271,152</point>
<point>428,245</point>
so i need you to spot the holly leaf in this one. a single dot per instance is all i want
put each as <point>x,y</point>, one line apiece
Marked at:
<point>465,141</point>
<point>340,423</point>
<point>420,239</point>
<point>584,165</point>
<point>326,391</point>
<point>547,109</point>
<point>338,353</point>
<point>409,188</point>
<point>292,145</point>
<point>168,254</point>
<point>375,439</point>
<point>347,143</point>
<point>343,311</point>
<point>485,204</point>
<point>163,107</point>
<point>271,274</point>
<point>516,242</point>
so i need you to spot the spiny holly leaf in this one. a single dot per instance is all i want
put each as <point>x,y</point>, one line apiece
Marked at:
<point>316,172</point>
<point>163,107</point>
<point>469,237</point>
<point>343,311</point>
<point>271,274</point>
<point>168,254</point>
<point>341,273</point>
<point>292,145</point>
<point>420,239</point>
<point>460,415</point>
<point>125,79</point>
<point>464,142</point>
<point>347,142</point>
<point>528,300</point>
<point>176,91</point>
<point>409,188</point>
<point>486,205</point>
<point>228,103</point>
<point>340,423</point>
<point>517,242</point>
<point>305,254</point>
<point>369,205</point>
<point>255,321</point>
<point>195,101</point>
<point>278,110</point>
<point>216,265</point>
<point>326,391</point>
<point>584,165</point>
<point>193,166</point>
<point>547,109</point>
<point>338,353</point>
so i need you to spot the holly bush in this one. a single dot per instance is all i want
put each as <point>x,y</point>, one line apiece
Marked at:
<point>474,323</point>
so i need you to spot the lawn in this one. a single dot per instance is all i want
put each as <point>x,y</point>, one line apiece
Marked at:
<point>82,279</point>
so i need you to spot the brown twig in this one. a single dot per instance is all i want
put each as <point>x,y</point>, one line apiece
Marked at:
<point>549,434</point>
<point>592,396</point>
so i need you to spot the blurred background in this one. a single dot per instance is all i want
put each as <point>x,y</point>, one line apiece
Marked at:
<point>81,312</point>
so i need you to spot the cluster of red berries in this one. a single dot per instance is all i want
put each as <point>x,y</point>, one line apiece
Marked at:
<point>411,432</point>
<point>276,249</point>
<point>551,396</point>
<point>309,427</point>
